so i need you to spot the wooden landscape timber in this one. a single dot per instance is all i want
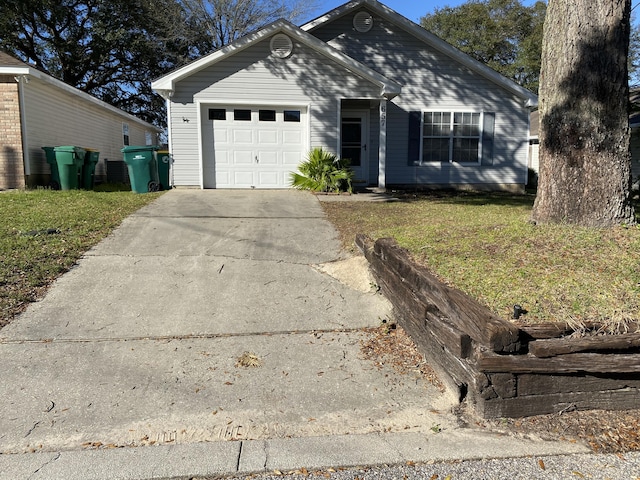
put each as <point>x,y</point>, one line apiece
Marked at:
<point>504,369</point>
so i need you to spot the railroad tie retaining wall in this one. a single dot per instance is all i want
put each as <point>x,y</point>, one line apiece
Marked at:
<point>504,369</point>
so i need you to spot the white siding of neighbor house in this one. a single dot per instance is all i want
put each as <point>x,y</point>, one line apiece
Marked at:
<point>56,117</point>
<point>431,81</point>
<point>254,77</point>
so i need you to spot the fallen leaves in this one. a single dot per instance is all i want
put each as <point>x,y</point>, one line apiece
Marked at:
<point>248,360</point>
<point>390,345</point>
<point>606,431</point>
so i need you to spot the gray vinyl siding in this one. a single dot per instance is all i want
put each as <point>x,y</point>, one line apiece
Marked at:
<point>184,143</point>
<point>432,81</point>
<point>57,117</point>
<point>253,77</point>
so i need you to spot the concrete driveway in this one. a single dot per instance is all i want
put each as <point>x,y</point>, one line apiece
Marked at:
<point>142,344</point>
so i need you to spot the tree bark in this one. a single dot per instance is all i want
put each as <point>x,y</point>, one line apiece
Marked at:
<point>585,164</point>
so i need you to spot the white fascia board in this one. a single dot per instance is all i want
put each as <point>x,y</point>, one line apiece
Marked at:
<point>14,70</point>
<point>388,88</point>
<point>430,39</point>
<point>32,72</point>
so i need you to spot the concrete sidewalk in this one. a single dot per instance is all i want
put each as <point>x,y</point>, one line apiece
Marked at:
<point>133,365</point>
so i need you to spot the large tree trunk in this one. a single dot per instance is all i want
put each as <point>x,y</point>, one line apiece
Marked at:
<point>585,165</point>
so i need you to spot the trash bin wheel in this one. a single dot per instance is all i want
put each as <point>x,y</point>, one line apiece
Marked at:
<point>53,185</point>
<point>153,186</point>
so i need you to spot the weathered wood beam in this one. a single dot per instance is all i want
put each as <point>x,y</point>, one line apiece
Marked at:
<point>623,399</point>
<point>543,384</point>
<point>561,346</point>
<point>489,362</point>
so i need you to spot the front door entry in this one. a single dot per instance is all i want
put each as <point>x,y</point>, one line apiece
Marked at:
<point>353,143</point>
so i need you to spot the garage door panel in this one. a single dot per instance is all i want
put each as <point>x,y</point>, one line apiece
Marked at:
<point>221,157</point>
<point>268,158</point>
<point>221,136</point>
<point>290,138</point>
<point>243,136</point>
<point>243,157</point>
<point>269,137</point>
<point>243,179</point>
<point>221,178</point>
<point>268,179</point>
<point>291,159</point>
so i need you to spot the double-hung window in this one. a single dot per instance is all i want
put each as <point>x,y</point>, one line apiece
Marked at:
<point>451,137</point>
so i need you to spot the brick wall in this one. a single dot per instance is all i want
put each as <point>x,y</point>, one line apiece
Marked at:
<point>11,158</point>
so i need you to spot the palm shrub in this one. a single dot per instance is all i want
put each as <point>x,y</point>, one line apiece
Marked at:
<point>323,171</point>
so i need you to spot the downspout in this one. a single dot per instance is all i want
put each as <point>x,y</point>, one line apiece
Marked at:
<point>22,79</point>
<point>167,94</point>
<point>169,142</point>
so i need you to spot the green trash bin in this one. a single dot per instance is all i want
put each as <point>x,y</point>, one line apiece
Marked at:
<point>54,181</point>
<point>164,164</point>
<point>91,158</point>
<point>69,160</point>
<point>143,168</point>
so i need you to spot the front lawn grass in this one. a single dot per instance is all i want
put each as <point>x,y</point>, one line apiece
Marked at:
<point>484,245</point>
<point>44,232</point>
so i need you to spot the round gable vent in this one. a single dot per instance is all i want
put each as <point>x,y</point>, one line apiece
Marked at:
<point>281,46</point>
<point>363,22</point>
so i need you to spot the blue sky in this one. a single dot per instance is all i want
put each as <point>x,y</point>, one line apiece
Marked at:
<point>412,9</point>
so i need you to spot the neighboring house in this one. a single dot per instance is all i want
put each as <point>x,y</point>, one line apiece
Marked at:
<point>37,110</point>
<point>408,109</point>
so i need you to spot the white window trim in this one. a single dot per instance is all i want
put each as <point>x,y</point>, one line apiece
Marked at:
<point>126,135</point>
<point>450,161</point>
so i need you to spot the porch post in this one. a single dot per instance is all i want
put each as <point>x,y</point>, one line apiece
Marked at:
<point>382,149</point>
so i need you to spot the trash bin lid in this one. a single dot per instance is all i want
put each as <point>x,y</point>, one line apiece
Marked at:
<point>139,148</point>
<point>68,148</point>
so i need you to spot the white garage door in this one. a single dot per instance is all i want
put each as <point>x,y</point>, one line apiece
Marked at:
<point>254,147</point>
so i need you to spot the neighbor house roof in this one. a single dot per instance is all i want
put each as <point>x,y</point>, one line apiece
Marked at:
<point>428,38</point>
<point>7,62</point>
<point>388,88</point>
<point>10,65</point>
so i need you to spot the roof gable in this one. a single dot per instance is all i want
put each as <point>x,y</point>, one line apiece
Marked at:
<point>166,85</point>
<point>428,39</point>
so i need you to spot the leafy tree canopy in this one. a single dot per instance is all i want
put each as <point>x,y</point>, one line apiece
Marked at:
<point>503,34</point>
<point>109,49</point>
<point>112,49</point>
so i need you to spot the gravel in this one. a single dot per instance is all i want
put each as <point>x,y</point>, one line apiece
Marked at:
<point>589,466</point>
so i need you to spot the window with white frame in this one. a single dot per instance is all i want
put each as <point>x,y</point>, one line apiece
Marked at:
<point>451,137</point>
